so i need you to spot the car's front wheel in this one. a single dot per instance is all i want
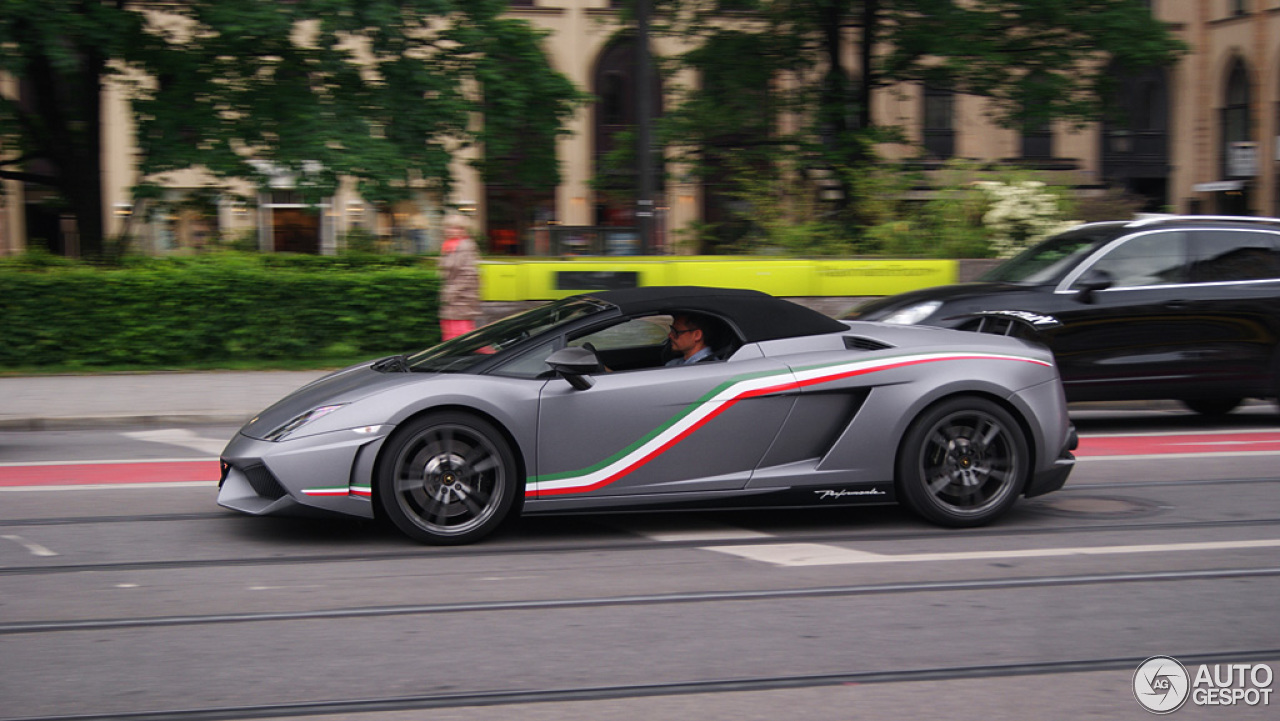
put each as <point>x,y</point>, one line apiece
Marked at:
<point>447,478</point>
<point>963,462</point>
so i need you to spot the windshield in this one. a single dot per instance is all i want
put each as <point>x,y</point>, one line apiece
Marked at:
<point>461,353</point>
<point>1052,259</point>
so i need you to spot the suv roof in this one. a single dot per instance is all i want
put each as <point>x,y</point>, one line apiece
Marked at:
<point>1196,220</point>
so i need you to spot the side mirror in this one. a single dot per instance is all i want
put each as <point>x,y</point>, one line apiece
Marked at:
<point>1092,281</point>
<point>575,365</point>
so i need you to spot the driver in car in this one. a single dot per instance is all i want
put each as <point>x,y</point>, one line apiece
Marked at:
<point>687,339</point>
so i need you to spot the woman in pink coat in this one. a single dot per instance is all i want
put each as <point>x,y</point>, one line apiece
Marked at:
<point>459,278</point>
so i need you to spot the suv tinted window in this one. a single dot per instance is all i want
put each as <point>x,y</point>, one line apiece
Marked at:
<point>1051,259</point>
<point>1234,255</point>
<point>1158,258</point>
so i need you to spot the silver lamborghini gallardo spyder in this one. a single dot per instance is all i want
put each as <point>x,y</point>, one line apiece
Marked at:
<point>574,406</point>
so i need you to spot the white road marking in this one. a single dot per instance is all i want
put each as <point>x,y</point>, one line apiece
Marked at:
<point>813,554</point>
<point>183,437</point>
<point>34,548</point>
<point>700,534</point>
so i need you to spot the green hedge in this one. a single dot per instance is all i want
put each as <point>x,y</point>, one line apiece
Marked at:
<point>206,311</point>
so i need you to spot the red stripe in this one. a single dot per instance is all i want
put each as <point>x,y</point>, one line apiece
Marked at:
<point>778,388</point>
<point>903,364</point>
<point>647,457</point>
<point>110,473</point>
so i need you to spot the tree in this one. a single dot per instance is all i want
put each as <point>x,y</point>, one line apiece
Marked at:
<point>524,113</point>
<point>1036,60</point>
<point>382,91</point>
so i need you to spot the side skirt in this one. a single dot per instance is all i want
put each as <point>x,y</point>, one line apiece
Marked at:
<point>861,494</point>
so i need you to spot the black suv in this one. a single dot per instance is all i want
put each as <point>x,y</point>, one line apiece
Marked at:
<point>1182,307</point>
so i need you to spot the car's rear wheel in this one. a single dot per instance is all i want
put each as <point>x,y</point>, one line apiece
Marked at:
<point>447,478</point>
<point>1212,406</point>
<point>963,462</point>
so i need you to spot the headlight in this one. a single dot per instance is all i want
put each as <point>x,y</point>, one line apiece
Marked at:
<point>302,420</point>
<point>913,314</point>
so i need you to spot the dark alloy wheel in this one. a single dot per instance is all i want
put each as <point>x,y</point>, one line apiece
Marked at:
<point>963,462</point>
<point>447,478</point>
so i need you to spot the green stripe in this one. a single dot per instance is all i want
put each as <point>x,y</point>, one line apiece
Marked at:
<point>702,401</point>
<point>706,398</point>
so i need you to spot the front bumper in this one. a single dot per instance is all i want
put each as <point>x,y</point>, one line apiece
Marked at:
<point>324,474</point>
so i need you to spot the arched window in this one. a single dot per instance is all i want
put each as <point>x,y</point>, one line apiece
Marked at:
<point>1236,125</point>
<point>615,117</point>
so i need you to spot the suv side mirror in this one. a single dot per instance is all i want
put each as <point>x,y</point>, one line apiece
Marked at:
<point>1092,281</point>
<point>575,365</point>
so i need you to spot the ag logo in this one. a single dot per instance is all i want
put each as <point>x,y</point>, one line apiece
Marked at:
<point>1161,685</point>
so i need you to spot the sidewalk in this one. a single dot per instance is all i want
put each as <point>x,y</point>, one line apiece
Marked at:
<point>69,402</point>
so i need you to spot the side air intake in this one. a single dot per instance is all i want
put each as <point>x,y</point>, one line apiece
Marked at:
<point>853,342</point>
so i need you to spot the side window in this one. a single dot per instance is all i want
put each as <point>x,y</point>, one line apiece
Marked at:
<point>531,364</point>
<point>1148,259</point>
<point>1223,256</point>
<point>635,333</point>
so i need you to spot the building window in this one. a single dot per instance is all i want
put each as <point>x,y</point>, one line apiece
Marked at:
<point>1038,91</point>
<point>939,123</point>
<point>615,119</point>
<point>1236,129</point>
<point>613,100</point>
<point>1037,141</point>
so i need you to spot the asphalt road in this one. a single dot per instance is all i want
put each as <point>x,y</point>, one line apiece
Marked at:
<point>146,601</point>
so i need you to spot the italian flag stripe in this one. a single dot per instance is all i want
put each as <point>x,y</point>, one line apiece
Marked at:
<point>702,411</point>
<point>359,491</point>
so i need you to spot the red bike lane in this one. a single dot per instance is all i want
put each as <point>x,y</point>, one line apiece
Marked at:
<point>1179,444</point>
<point>91,473</point>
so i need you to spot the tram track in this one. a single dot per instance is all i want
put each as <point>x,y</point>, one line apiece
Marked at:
<point>688,597</point>
<point>632,544</point>
<point>512,697</point>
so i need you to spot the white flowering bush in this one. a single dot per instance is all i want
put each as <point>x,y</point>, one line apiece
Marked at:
<point>1021,213</point>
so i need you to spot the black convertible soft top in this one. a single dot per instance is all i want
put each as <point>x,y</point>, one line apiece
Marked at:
<point>758,316</point>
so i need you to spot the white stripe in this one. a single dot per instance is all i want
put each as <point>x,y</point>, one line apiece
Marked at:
<point>179,437</point>
<point>738,389</point>
<point>34,548</point>
<point>657,530</point>
<point>654,443</point>
<point>813,554</point>
<point>815,373</point>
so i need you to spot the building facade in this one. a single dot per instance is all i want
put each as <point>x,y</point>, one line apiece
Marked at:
<point>1198,137</point>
